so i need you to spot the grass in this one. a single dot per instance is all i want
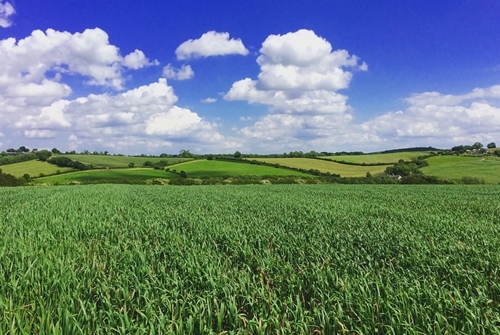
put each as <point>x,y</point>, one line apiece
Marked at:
<point>392,157</point>
<point>106,174</point>
<point>214,168</point>
<point>455,167</point>
<point>120,161</point>
<point>33,168</point>
<point>326,166</point>
<point>281,259</point>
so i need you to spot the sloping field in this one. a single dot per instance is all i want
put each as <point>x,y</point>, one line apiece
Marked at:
<point>214,168</point>
<point>284,259</point>
<point>33,168</point>
<point>111,174</point>
<point>120,161</point>
<point>392,157</point>
<point>326,166</point>
<point>456,167</point>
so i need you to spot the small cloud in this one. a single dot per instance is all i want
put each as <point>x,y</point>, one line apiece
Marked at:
<point>209,44</point>
<point>209,100</point>
<point>136,60</point>
<point>39,133</point>
<point>184,73</point>
<point>245,118</point>
<point>6,10</point>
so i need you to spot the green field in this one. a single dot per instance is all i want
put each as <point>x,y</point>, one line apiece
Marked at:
<point>456,167</point>
<point>326,166</point>
<point>390,158</point>
<point>286,259</point>
<point>33,168</point>
<point>120,161</point>
<point>105,174</point>
<point>214,168</point>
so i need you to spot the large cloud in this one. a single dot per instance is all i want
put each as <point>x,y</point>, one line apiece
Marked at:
<point>436,119</point>
<point>89,54</point>
<point>143,116</point>
<point>6,11</point>
<point>300,76</point>
<point>209,44</point>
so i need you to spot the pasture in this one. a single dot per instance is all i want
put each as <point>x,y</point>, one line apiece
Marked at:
<point>215,168</point>
<point>108,161</point>
<point>456,167</point>
<point>326,166</point>
<point>374,158</point>
<point>33,168</point>
<point>286,259</point>
<point>87,176</point>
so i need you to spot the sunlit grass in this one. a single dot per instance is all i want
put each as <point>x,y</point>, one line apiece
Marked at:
<point>33,168</point>
<point>288,259</point>
<point>326,166</point>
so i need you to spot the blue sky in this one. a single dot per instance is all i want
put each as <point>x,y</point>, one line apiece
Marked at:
<point>255,76</point>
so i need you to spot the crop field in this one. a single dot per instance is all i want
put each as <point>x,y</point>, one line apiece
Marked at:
<point>105,174</point>
<point>120,161</point>
<point>326,166</point>
<point>392,157</point>
<point>282,259</point>
<point>33,168</point>
<point>214,168</point>
<point>456,167</point>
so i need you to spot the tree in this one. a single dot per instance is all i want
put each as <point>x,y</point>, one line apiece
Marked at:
<point>55,151</point>
<point>491,145</point>
<point>237,155</point>
<point>131,165</point>
<point>23,149</point>
<point>185,154</point>
<point>477,145</point>
<point>183,174</point>
<point>43,155</point>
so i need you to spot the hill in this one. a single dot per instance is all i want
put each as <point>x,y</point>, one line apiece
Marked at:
<point>214,168</point>
<point>388,158</point>
<point>34,168</point>
<point>326,166</point>
<point>456,167</point>
<point>108,161</point>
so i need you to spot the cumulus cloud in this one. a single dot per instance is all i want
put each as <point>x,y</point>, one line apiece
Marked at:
<point>6,11</point>
<point>211,43</point>
<point>89,54</point>
<point>144,116</point>
<point>300,76</point>
<point>209,100</point>
<point>184,73</point>
<point>436,118</point>
<point>436,98</point>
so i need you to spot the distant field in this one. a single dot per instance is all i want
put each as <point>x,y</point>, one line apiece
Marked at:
<point>33,168</point>
<point>120,161</point>
<point>326,166</point>
<point>214,168</point>
<point>91,175</point>
<point>456,167</point>
<point>392,157</point>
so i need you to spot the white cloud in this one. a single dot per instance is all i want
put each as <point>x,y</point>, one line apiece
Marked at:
<point>136,60</point>
<point>209,100</point>
<point>145,116</point>
<point>436,118</point>
<point>299,78</point>
<point>436,98</point>
<point>88,54</point>
<point>184,73</point>
<point>209,44</point>
<point>39,134</point>
<point>6,11</point>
